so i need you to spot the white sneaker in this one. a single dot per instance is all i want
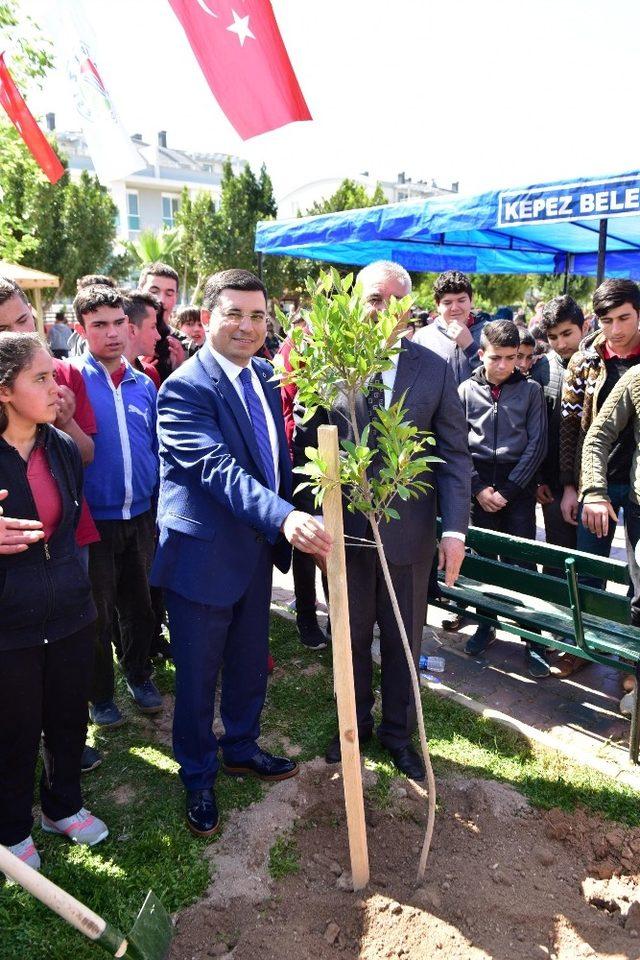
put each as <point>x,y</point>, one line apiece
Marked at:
<point>82,827</point>
<point>26,851</point>
<point>627,703</point>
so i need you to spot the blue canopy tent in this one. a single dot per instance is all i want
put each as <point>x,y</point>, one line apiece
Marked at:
<point>564,227</point>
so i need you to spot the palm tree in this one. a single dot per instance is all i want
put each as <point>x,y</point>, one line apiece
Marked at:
<point>150,246</point>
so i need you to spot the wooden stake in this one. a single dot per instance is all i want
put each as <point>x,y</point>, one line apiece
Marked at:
<point>343,664</point>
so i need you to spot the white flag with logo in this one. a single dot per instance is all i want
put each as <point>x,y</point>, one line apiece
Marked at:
<point>114,155</point>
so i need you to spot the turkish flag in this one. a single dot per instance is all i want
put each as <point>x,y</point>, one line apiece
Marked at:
<point>39,147</point>
<point>244,61</point>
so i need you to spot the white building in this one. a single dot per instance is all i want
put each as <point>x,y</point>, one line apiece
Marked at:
<point>149,198</point>
<point>298,201</point>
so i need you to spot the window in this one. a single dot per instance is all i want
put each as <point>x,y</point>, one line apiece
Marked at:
<point>133,213</point>
<point>169,209</point>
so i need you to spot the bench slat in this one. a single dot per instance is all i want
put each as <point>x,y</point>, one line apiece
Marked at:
<point>601,636</point>
<point>486,570</point>
<point>535,551</point>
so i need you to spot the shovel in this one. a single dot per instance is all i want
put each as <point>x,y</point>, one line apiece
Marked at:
<point>150,937</point>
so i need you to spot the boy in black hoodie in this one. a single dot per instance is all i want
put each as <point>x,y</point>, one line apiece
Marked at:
<point>507,422</point>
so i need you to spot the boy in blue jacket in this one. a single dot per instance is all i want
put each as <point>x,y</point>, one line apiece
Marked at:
<point>120,486</point>
<point>507,422</point>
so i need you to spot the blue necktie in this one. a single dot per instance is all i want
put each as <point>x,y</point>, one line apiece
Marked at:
<point>260,429</point>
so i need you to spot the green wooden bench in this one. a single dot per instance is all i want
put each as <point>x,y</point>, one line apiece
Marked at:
<point>591,623</point>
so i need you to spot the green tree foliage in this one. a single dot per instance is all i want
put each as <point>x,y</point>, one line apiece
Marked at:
<point>20,181</point>
<point>198,225</point>
<point>151,246</point>
<point>548,285</point>
<point>244,200</point>
<point>89,229</point>
<point>30,53</point>
<point>350,195</point>
<point>65,228</point>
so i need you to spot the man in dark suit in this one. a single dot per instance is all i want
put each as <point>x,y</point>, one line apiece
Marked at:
<point>225,518</point>
<point>432,403</point>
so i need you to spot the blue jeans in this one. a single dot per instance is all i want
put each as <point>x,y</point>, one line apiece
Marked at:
<point>601,546</point>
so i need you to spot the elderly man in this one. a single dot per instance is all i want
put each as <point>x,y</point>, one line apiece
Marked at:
<point>431,402</point>
<point>225,518</point>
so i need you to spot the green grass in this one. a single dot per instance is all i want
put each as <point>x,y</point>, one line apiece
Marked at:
<point>283,857</point>
<point>461,743</point>
<point>149,846</point>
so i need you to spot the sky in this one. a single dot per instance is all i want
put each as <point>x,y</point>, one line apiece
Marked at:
<point>492,93</point>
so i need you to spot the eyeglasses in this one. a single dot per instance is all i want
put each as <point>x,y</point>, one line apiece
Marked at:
<point>235,316</point>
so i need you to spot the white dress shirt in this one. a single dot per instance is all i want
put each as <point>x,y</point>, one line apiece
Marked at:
<point>233,372</point>
<point>388,380</point>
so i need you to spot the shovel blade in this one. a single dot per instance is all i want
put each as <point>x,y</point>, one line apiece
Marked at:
<point>150,936</point>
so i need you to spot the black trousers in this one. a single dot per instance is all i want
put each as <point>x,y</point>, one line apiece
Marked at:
<point>557,530</point>
<point>119,568</point>
<point>632,528</point>
<point>369,604</point>
<point>518,519</point>
<point>43,690</point>
<point>304,584</point>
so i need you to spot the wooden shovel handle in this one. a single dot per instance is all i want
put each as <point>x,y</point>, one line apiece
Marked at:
<point>62,903</point>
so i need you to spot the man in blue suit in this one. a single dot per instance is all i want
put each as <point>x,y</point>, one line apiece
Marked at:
<point>225,518</point>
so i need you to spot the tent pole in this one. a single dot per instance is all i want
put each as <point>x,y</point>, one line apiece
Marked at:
<point>261,265</point>
<point>37,296</point>
<point>568,270</point>
<point>602,251</point>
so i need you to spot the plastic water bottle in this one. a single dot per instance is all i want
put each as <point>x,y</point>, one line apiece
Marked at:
<point>433,664</point>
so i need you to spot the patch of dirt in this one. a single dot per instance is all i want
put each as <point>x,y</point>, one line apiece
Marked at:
<point>610,848</point>
<point>123,794</point>
<point>280,743</point>
<point>504,881</point>
<point>158,726</point>
<point>312,670</point>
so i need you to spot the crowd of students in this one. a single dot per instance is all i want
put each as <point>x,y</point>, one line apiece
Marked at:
<point>578,458</point>
<point>553,419</point>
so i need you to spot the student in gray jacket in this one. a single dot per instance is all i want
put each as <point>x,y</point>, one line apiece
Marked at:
<point>507,423</point>
<point>455,333</point>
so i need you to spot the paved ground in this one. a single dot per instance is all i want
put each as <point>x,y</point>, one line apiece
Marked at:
<point>578,716</point>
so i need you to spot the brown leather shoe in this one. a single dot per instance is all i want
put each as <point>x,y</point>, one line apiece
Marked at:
<point>455,624</point>
<point>566,664</point>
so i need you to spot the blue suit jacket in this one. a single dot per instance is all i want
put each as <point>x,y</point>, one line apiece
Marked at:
<point>215,513</point>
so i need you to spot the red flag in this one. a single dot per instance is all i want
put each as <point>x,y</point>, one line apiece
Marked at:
<point>39,147</point>
<point>244,62</point>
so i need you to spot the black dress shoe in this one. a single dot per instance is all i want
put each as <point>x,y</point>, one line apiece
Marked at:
<point>311,636</point>
<point>264,766</point>
<point>408,762</point>
<point>202,812</point>
<point>333,753</point>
